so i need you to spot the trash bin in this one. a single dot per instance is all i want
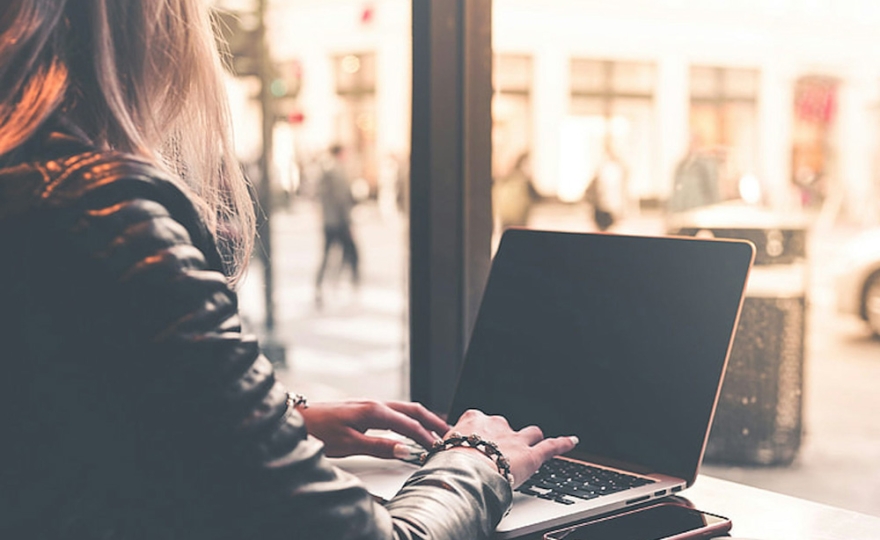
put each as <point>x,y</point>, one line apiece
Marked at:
<point>759,419</point>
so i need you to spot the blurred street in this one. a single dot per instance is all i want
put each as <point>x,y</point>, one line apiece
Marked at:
<point>356,344</point>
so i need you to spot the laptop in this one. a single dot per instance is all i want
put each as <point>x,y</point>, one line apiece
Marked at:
<point>620,340</point>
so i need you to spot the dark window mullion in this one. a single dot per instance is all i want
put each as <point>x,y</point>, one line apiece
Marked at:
<point>450,212</point>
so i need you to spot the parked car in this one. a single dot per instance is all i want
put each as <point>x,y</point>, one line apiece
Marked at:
<point>858,279</point>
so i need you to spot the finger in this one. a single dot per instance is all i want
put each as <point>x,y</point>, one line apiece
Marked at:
<point>554,446</point>
<point>429,419</point>
<point>418,412</point>
<point>532,434</point>
<point>373,446</point>
<point>382,447</point>
<point>385,417</point>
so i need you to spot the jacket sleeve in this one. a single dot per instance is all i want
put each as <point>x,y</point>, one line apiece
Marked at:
<point>192,378</point>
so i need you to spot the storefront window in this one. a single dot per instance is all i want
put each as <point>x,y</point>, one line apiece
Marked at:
<point>815,100</point>
<point>723,123</point>
<point>612,106</point>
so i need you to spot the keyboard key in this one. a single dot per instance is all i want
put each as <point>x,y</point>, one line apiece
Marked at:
<point>579,493</point>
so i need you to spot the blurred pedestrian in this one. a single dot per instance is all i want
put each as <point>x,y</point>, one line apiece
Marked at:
<point>512,194</point>
<point>337,201</point>
<point>606,192</point>
<point>696,179</point>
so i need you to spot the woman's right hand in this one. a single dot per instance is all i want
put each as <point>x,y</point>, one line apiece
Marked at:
<point>525,449</point>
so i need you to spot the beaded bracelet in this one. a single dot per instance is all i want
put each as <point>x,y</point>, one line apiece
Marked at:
<point>295,400</point>
<point>476,442</point>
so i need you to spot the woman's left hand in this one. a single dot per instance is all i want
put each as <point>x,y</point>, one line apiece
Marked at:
<point>341,426</point>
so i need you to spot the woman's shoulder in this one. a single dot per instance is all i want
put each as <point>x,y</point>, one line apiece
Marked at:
<point>65,181</point>
<point>60,168</point>
<point>72,177</point>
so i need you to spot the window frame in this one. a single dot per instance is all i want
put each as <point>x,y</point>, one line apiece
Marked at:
<point>450,188</point>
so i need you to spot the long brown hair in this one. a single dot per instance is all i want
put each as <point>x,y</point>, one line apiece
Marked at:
<point>138,76</point>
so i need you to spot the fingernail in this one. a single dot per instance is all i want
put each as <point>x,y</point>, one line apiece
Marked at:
<point>574,439</point>
<point>402,451</point>
<point>436,437</point>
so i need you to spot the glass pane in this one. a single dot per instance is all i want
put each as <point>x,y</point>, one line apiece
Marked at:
<point>512,73</point>
<point>595,134</point>
<point>589,76</point>
<point>705,123</point>
<point>741,148</point>
<point>741,83</point>
<point>739,134</point>
<point>634,141</point>
<point>633,78</point>
<point>704,83</point>
<point>342,78</point>
<point>815,102</point>
<point>587,106</point>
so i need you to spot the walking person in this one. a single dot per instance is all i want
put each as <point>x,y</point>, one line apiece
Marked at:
<point>132,406</point>
<point>695,183</point>
<point>606,192</point>
<point>512,194</point>
<point>337,201</point>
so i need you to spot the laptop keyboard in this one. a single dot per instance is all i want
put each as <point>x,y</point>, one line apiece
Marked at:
<point>565,482</point>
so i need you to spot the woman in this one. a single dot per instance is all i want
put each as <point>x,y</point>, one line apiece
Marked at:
<point>131,405</point>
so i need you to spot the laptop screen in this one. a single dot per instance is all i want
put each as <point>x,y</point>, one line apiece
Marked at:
<point>620,340</point>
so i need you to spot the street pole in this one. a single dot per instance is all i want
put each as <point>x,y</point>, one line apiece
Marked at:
<point>272,349</point>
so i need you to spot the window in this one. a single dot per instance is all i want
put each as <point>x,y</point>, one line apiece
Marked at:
<point>612,108</point>
<point>723,122</point>
<point>815,101</point>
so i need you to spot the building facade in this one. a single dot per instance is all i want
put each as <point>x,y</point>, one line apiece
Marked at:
<point>784,93</point>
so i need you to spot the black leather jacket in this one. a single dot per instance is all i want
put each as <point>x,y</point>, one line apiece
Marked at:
<point>131,405</point>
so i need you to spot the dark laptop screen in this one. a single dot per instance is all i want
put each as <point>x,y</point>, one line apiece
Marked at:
<point>621,340</point>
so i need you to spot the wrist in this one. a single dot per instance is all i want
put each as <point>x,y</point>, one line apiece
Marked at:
<point>473,452</point>
<point>473,443</point>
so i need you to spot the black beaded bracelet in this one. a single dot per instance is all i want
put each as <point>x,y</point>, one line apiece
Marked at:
<point>293,401</point>
<point>476,442</point>
<point>296,400</point>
